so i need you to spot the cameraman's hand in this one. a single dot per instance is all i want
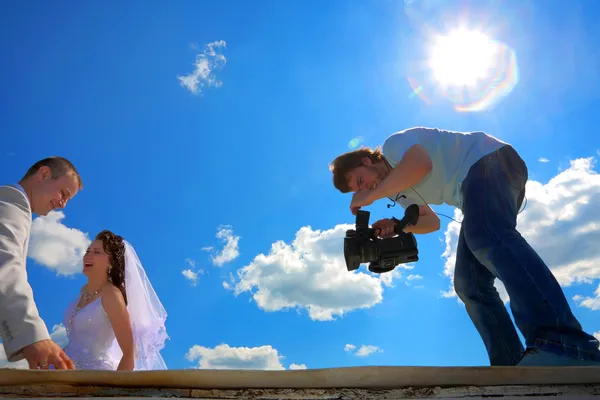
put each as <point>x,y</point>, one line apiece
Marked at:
<point>384,228</point>
<point>362,198</point>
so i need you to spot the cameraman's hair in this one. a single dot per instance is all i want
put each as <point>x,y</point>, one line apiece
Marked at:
<point>342,165</point>
<point>59,166</point>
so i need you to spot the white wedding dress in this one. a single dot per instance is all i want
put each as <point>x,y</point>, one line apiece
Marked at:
<point>92,342</point>
<point>91,337</point>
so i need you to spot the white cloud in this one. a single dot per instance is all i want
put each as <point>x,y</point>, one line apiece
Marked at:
<point>543,160</point>
<point>231,284</point>
<point>451,239</point>
<point>56,246</point>
<point>206,63</point>
<point>225,357</point>
<point>310,273</point>
<point>230,249</point>
<point>561,222</point>
<point>58,334</point>
<point>191,276</point>
<point>589,302</point>
<point>411,280</point>
<point>597,335</point>
<point>191,273</point>
<point>363,350</point>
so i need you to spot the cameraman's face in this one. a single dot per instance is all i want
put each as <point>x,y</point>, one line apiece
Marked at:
<point>365,177</point>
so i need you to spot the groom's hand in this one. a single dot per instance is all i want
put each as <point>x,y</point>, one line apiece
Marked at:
<point>44,353</point>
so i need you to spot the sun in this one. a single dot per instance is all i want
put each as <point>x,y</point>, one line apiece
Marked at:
<point>462,57</point>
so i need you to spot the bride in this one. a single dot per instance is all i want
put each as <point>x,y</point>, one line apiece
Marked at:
<point>117,322</point>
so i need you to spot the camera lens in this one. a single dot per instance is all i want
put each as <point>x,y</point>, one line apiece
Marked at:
<point>352,253</point>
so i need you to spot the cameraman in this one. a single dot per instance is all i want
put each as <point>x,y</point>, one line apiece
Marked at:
<point>485,178</point>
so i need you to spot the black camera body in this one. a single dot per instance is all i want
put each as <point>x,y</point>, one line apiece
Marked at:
<point>361,245</point>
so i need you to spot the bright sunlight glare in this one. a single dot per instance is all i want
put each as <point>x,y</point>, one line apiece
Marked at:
<point>462,57</point>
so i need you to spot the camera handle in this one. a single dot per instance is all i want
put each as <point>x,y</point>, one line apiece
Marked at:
<point>411,216</point>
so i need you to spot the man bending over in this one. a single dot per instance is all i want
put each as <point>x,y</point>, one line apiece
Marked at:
<point>485,178</point>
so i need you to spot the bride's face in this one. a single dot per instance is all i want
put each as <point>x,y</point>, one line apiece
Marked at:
<point>95,260</point>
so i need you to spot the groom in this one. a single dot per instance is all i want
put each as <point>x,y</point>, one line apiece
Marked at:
<point>48,185</point>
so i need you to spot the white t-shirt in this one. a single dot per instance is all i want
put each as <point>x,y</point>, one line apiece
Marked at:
<point>452,155</point>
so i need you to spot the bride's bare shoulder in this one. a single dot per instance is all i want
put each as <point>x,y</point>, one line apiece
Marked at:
<point>111,293</point>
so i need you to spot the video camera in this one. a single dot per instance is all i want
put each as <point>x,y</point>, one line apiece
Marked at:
<point>363,246</point>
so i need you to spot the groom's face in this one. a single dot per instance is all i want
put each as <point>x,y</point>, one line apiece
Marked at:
<point>52,193</point>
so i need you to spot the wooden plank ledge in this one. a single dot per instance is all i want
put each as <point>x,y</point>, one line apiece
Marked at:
<point>556,392</point>
<point>375,378</point>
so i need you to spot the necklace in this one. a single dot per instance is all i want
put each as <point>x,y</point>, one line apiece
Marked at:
<point>85,297</point>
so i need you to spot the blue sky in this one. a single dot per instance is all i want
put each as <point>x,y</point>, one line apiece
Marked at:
<point>282,89</point>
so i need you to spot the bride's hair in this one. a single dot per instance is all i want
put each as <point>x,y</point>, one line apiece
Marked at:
<point>114,246</point>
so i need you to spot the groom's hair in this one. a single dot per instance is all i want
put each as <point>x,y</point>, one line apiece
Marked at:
<point>59,166</point>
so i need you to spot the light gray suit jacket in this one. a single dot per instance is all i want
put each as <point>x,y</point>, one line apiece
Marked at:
<point>20,322</point>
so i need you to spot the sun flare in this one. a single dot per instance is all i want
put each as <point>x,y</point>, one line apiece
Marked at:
<point>462,57</point>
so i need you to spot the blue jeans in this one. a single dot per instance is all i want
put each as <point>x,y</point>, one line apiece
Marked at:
<point>490,247</point>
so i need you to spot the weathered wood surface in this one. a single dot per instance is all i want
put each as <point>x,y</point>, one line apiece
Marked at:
<point>56,392</point>
<point>330,378</point>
